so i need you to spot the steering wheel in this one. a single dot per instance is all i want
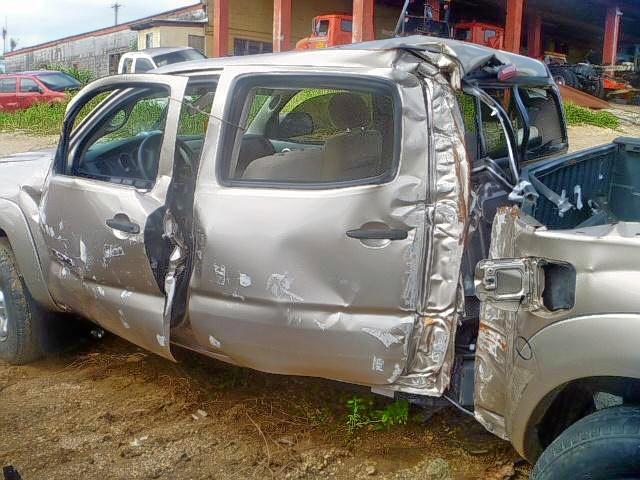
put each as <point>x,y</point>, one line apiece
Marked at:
<point>148,153</point>
<point>149,150</point>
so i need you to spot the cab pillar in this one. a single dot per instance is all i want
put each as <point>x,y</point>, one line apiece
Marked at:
<point>219,21</point>
<point>281,25</point>
<point>363,21</point>
<point>611,36</point>
<point>513,25</point>
<point>534,36</point>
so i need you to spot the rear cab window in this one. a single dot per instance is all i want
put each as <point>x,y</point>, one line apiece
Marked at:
<point>537,108</point>
<point>311,134</point>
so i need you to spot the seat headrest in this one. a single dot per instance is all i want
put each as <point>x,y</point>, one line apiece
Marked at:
<point>348,111</point>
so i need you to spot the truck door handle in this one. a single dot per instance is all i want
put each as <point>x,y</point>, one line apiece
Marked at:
<point>378,234</point>
<point>121,222</point>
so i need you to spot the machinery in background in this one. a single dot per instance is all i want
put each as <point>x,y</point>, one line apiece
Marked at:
<point>605,82</point>
<point>480,33</point>
<point>328,31</point>
<point>415,19</point>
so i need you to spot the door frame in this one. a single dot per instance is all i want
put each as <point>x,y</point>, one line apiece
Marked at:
<point>150,329</point>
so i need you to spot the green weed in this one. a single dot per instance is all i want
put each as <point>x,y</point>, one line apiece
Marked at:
<point>362,413</point>
<point>577,115</point>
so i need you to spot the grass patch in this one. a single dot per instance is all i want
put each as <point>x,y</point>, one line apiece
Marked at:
<point>577,115</point>
<point>40,119</point>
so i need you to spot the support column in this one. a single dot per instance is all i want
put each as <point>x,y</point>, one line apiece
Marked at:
<point>435,9</point>
<point>281,25</point>
<point>534,36</point>
<point>611,36</point>
<point>513,25</point>
<point>220,16</point>
<point>363,11</point>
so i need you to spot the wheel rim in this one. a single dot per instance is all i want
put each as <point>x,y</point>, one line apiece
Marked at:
<point>4,318</point>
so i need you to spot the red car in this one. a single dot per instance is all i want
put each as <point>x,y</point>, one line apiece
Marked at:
<point>22,90</point>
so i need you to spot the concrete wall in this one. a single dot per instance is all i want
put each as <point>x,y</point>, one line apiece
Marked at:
<point>91,53</point>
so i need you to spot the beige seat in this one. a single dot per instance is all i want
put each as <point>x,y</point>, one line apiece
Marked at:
<point>353,153</point>
<point>357,152</point>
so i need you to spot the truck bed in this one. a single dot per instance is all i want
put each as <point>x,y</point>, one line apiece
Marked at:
<point>602,186</point>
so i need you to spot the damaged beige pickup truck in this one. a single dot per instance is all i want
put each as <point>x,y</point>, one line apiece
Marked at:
<point>400,214</point>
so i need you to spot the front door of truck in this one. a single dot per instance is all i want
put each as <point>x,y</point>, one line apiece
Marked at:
<point>310,225</point>
<point>103,210</point>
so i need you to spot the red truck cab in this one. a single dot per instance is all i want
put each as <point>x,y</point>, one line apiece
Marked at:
<point>23,90</point>
<point>328,31</point>
<point>480,33</point>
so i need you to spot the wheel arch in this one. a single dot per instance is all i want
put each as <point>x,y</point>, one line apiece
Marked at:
<point>574,357</point>
<point>15,228</point>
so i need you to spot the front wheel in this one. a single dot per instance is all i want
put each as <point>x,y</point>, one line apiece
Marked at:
<point>22,326</point>
<point>601,446</point>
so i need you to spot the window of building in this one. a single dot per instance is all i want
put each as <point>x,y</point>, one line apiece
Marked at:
<point>148,40</point>
<point>197,42</point>
<point>489,34</point>
<point>243,46</point>
<point>346,25</point>
<point>8,85</point>
<point>316,135</point>
<point>28,85</point>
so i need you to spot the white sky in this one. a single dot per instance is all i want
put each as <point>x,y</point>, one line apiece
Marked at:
<point>36,21</point>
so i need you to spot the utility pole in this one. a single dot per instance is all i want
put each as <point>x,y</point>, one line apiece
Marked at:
<point>4,37</point>
<point>116,7</point>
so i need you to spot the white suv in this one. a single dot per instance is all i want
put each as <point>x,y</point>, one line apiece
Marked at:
<point>150,58</point>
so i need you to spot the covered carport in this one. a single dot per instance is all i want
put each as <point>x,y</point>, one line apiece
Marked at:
<point>580,29</point>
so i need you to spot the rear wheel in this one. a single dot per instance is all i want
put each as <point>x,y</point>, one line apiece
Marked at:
<point>602,446</point>
<point>22,329</point>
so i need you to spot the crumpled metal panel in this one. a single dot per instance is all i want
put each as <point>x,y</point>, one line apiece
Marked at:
<point>277,284</point>
<point>495,337</point>
<point>507,365</point>
<point>432,349</point>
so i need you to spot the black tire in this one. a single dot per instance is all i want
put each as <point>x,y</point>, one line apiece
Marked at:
<point>602,446</point>
<point>22,329</point>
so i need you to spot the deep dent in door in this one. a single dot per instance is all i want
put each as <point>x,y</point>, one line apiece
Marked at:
<point>434,210</point>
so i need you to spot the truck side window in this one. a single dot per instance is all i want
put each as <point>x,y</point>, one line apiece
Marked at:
<point>306,135</point>
<point>143,65</point>
<point>28,85</point>
<point>124,145</point>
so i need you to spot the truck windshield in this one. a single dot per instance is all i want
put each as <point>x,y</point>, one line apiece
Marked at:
<point>58,81</point>
<point>177,57</point>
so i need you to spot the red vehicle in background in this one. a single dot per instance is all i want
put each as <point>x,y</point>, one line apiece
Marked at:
<point>22,90</point>
<point>480,33</point>
<point>328,31</point>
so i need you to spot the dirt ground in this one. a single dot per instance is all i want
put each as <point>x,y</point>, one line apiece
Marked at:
<point>108,410</point>
<point>15,143</point>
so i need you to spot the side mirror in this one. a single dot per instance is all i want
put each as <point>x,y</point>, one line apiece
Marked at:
<point>294,124</point>
<point>40,90</point>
